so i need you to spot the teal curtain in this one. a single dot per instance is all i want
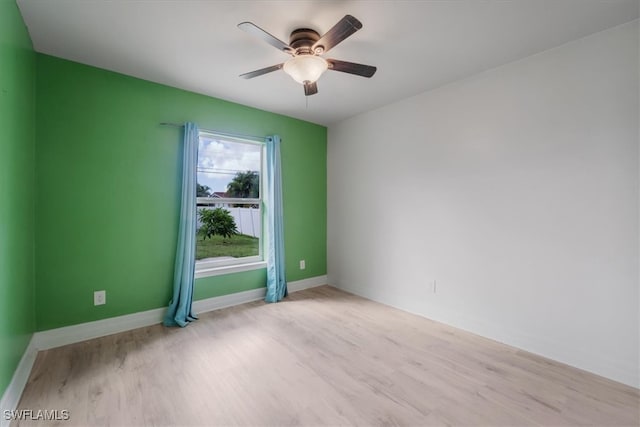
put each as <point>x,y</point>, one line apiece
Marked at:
<point>180,311</point>
<point>276,282</point>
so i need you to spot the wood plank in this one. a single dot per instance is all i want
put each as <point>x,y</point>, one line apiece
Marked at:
<point>321,357</point>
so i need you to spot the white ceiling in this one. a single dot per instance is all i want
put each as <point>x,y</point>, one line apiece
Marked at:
<point>416,45</point>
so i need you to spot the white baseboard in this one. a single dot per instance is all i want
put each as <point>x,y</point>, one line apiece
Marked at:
<point>58,337</point>
<point>303,284</point>
<point>11,396</point>
<point>554,350</point>
<point>84,331</point>
<point>52,338</point>
<point>216,303</point>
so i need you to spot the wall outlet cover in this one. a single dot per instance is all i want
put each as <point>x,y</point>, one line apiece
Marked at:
<point>99,297</point>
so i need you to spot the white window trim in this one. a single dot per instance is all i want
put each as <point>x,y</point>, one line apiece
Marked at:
<point>210,268</point>
<point>228,269</point>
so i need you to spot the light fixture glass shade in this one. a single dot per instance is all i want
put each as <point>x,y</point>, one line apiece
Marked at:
<point>305,68</point>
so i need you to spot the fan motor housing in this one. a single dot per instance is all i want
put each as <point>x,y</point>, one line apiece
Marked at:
<point>302,39</point>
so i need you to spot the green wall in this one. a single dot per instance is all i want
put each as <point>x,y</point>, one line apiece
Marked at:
<point>107,184</point>
<point>17,138</point>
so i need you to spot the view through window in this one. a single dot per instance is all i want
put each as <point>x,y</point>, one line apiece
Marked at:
<point>229,228</point>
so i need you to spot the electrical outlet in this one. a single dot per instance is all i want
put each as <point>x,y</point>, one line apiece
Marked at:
<point>99,297</point>
<point>303,265</point>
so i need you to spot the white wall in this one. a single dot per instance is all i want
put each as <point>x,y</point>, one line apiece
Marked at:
<point>521,194</point>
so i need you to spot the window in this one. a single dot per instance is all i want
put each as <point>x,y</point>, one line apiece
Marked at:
<point>229,199</point>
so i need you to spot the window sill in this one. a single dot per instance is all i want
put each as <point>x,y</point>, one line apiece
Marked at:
<point>228,269</point>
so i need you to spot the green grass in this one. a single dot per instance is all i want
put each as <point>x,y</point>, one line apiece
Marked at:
<point>237,246</point>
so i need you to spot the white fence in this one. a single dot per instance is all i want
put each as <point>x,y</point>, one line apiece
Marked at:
<point>248,220</point>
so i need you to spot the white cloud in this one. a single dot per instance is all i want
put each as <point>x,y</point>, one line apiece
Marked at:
<point>219,160</point>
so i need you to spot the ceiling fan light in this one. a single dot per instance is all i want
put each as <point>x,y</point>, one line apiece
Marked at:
<point>305,68</point>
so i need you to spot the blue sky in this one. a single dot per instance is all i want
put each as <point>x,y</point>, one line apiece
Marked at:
<point>220,159</point>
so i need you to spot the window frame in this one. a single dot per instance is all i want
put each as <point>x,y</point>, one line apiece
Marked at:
<point>234,265</point>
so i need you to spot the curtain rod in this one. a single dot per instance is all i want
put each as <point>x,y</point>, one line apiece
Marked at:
<point>236,135</point>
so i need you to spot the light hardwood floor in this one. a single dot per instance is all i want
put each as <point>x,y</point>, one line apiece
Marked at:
<point>321,357</point>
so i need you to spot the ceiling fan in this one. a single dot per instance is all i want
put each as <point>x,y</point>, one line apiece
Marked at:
<point>306,47</point>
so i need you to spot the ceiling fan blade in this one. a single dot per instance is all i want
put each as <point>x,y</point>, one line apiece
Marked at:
<point>352,68</point>
<point>310,89</point>
<point>253,29</point>
<point>261,71</point>
<point>343,29</point>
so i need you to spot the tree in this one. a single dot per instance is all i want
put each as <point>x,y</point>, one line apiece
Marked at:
<point>217,221</point>
<point>244,185</point>
<point>203,190</point>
